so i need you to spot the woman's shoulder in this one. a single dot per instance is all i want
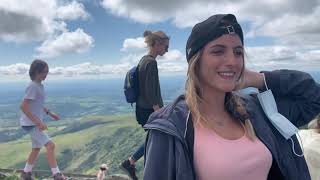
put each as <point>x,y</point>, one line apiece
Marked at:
<point>172,115</point>
<point>148,59</point>
<point>172,118</point>
<point>176,106</point>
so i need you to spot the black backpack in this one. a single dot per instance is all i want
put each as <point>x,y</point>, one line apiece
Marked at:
<point>131,85</point>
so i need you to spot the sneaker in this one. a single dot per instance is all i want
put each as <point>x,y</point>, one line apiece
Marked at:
<point>59,176</point>
<point>26,175</point>
<point>129,169</point>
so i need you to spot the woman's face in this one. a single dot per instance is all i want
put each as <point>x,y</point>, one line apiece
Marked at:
<point>221,63</point>
<point>163,46</point>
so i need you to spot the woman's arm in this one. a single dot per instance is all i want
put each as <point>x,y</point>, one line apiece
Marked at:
<point>152,85</point>
<point>296,93</point>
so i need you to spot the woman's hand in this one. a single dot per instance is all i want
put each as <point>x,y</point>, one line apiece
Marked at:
<point>250,79</point>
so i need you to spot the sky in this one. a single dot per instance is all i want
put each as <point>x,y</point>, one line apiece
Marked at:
<point>94,39</point>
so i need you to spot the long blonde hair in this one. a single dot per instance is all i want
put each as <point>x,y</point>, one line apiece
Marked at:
<point>233,103</point>
<point>150,38</point>
<point>315,123</point>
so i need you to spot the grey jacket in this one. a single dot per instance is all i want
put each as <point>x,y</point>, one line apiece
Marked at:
<point>169,143</point>
<point>149,84</point>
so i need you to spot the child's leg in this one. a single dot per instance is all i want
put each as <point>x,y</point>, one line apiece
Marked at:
<point>40,139</point>
<point>51,157</point>
<point>33,155</point>
<point>35,149</point>
<point>31,159</point>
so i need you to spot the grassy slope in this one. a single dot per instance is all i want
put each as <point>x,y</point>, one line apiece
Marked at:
<point>83,151</point>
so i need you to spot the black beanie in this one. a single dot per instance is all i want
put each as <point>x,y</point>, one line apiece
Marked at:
<point>210,29</point>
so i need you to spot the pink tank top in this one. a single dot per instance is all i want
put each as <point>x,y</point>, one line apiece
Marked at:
<point>216,158</point>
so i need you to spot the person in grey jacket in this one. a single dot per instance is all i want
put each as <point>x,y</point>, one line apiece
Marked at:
<point>213,132</point>
<point>149,98</point>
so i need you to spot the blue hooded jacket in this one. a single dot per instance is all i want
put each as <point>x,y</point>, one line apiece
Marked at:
<point>169,143</point>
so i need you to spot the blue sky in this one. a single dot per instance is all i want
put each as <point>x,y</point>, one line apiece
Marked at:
<point>101,38</point>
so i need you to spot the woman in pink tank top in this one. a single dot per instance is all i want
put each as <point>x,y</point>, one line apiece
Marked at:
<point>214,133</point>
<point>216,129</point>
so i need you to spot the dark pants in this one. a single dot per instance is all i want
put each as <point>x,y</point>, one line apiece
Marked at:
<point>142,116</point>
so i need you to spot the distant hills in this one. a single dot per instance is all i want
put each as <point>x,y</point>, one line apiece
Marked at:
<point>83,146</point>
<point>75,99</point>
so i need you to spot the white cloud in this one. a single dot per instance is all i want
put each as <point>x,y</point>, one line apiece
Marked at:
<point>87,69</point>
<point>278,57</point>
<point>188,12</point>
<point>290,21</point>
<point>310,56</point>
<point>182,12</point>
<point>134,45</point>
<point>172,55</point>
<point>259,58</point>
<point>27,20</point>
<point>41,21</point>
<point>135,10</point>
<point>294,29</point>
<point>291,24</point>
<point>68,42</point>
<point>14,69</point>
<point>173,67</point>
<point>72,11</point>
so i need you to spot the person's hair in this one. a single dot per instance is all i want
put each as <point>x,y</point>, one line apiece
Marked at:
<point>36,67</point>
<point>318,122</point>
<point>315,124</point>
<point>233,103</point>
<point>150,38</point>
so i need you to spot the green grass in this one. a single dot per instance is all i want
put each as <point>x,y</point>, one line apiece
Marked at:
<point>12,177</point>
<point>83,151</point>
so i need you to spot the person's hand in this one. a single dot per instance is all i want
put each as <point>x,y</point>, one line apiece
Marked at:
<point>42,126</point>
<point>54,116</point>
<point>250,79</point>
